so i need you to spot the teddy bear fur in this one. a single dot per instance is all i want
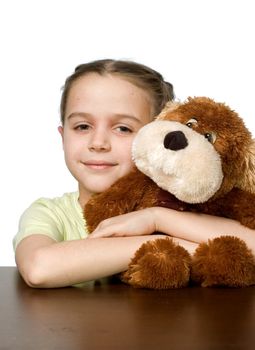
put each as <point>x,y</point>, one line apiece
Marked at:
<point>196,156</point>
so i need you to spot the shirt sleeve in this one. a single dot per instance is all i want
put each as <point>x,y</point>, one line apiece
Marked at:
<point>39,218</point>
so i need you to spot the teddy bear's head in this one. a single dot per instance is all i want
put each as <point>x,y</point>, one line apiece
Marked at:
<point>197,150</point>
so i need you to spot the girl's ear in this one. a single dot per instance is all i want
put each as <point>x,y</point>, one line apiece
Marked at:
<point>61,131</point>
<point>247,181</point>
<point>169,107</point>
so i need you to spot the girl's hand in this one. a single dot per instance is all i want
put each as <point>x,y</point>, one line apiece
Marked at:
<point>137,223</point>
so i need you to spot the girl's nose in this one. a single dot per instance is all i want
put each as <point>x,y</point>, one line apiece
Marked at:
<point>99,141</point>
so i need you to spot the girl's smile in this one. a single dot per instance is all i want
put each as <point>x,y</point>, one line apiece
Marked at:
<point>99,164</point>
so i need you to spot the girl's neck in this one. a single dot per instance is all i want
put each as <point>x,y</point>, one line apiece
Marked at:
<point>84,197</point>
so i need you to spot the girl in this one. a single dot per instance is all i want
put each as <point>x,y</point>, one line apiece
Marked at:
<point>104,104</point>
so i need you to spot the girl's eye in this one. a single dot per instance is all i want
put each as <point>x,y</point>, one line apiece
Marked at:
<point>124,129</point>
<point>82,127</point>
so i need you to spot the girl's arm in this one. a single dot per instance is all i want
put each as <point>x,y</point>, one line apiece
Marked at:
<point>43,263</point>
<point>188,226</point>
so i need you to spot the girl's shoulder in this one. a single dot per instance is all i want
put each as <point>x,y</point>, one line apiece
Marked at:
<point>60,218</point>
<point>67,201</point>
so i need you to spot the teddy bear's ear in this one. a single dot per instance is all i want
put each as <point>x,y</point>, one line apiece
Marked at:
<point>169,107</point>
<point>247,181</point>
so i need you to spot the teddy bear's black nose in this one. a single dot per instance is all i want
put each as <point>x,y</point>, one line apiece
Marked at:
<point>175,140</point>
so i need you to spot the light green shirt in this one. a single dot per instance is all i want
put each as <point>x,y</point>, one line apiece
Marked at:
<point>59,218</point>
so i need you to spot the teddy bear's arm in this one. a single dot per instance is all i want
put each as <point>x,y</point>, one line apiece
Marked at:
<point>132,192</point>
<point>237,205</point>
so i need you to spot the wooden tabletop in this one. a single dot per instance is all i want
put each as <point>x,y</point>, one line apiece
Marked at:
<point>110,315</point>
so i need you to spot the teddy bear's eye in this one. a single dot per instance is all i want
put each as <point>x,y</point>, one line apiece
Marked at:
<point>210,136</point>
<point>190,123</point>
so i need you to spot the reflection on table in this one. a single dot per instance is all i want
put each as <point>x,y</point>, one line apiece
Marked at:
<point>107,314</point>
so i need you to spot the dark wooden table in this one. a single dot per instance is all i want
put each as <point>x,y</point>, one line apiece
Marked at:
<point>110,315</point>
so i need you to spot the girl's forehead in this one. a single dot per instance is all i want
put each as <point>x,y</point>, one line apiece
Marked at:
<point>110,93</point>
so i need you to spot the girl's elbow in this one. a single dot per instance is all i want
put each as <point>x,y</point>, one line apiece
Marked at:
<point>33,279</point>
<point>33,273</point>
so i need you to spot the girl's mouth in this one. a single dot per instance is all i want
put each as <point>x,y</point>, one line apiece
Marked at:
<point>99,165</point>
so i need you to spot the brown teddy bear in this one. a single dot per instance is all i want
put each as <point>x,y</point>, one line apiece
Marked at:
<point>196,156</point>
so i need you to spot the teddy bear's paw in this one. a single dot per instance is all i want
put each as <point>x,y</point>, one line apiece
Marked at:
<point>223,261</point>
<point>159,264</point>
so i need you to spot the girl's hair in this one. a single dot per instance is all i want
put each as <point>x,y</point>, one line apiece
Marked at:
<point>136,73</point>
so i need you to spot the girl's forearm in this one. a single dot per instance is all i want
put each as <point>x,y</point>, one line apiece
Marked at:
<point>198,228</point>
<point>85,260</point>
<point>44,263</point>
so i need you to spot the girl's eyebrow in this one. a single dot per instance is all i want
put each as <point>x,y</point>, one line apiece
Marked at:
<point>78,114</point>
<point>115,116</point>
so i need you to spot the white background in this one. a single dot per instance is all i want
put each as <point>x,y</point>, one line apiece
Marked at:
<point>202,47</point>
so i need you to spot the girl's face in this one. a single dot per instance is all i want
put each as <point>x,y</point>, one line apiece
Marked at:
<point>103,114</point>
